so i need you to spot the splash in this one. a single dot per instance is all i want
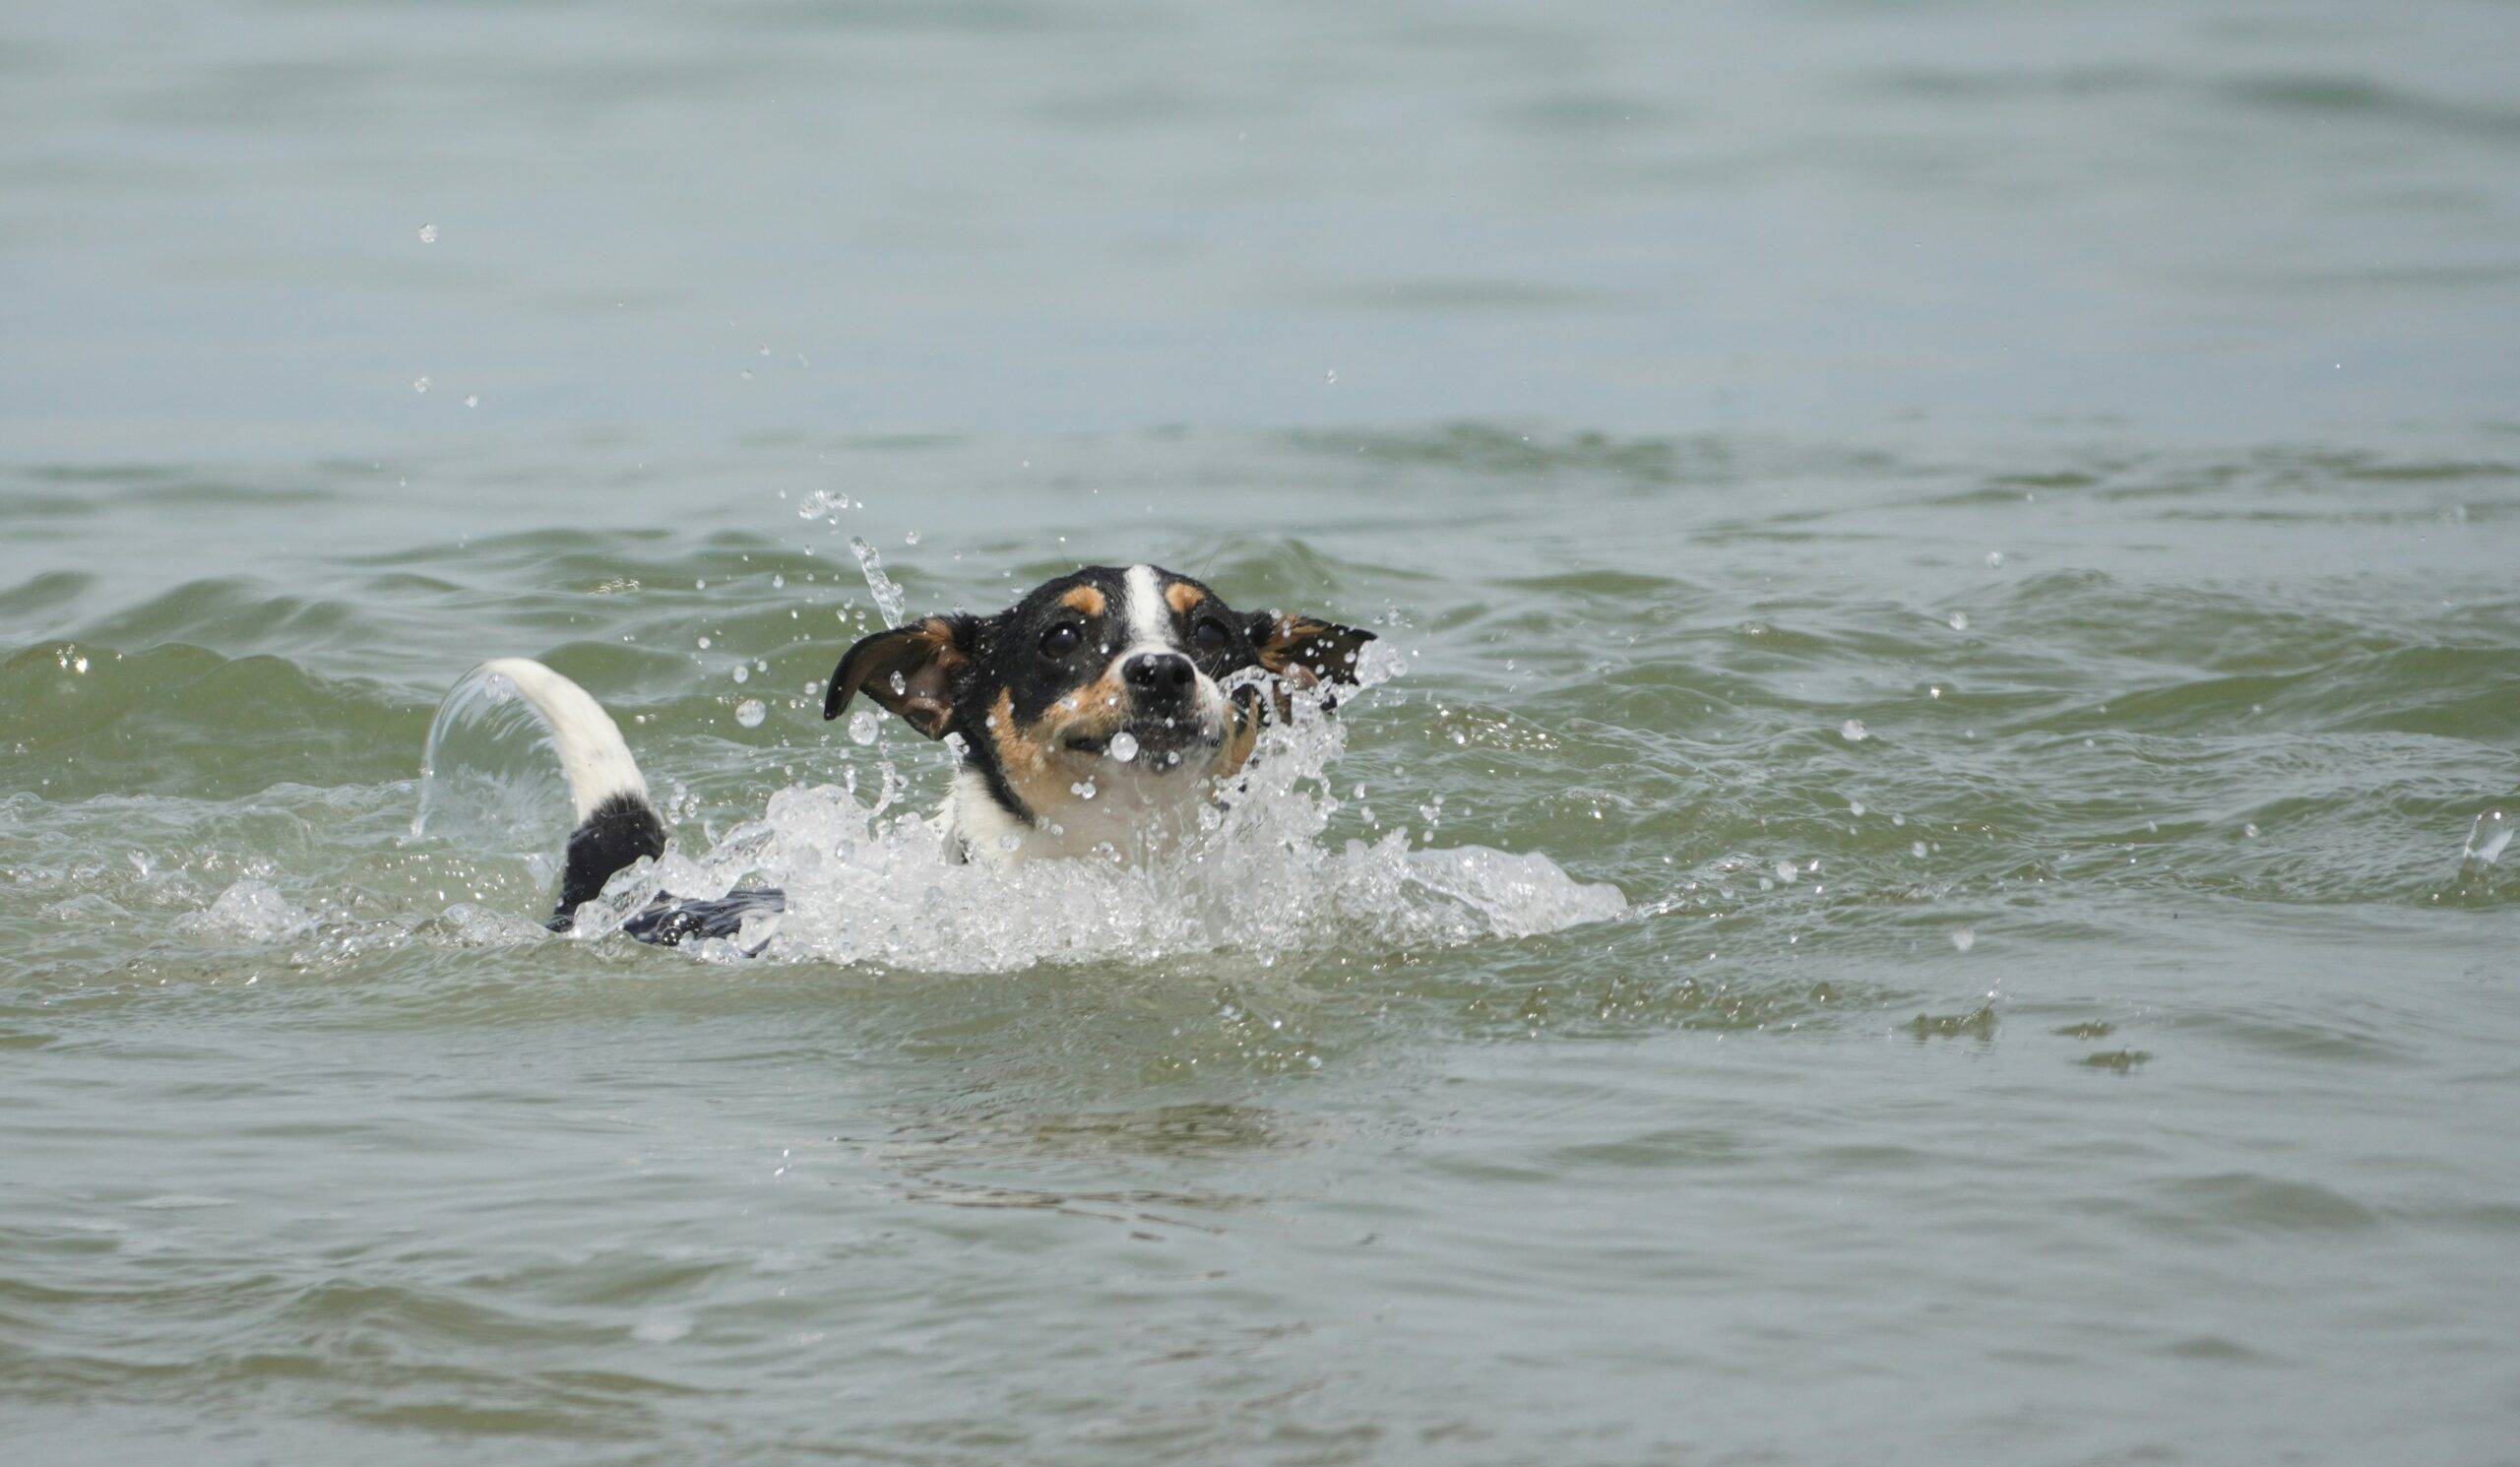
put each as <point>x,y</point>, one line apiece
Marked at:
<point>487,772</point>
<point>250,910</point>
<point>2487,840</point>
<point>871,880</point>
<point>888,595</point>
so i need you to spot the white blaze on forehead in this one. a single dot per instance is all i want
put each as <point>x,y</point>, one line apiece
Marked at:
<point>1149,619</point>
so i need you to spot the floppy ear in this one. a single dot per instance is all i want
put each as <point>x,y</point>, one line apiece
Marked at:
<point>1325,649</point>
<point>910,670</point>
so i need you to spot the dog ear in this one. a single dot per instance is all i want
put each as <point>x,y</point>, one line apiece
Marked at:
<point>1324,649</point>
<point>910,670</point>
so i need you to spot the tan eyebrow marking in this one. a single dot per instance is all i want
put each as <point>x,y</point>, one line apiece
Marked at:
<point>1085,599</point>
<point>1181,596</point>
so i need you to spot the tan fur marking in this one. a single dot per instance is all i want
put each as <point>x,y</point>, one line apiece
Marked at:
<point>937,634</point>
<point>1276,650</point>
<point>1085,599</point>
<point>1181,596</point>
<point>1242,733</point>
<point>1022,757</point>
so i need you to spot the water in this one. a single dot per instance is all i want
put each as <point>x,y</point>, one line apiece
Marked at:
<point>1930,871</point>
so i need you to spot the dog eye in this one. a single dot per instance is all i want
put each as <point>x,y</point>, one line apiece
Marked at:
<point>1061,640</point>
<point>1210,635</point>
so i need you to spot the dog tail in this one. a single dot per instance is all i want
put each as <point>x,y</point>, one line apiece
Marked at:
<point>616,825</point>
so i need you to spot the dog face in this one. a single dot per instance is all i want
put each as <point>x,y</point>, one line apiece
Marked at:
<point>1107,670</point>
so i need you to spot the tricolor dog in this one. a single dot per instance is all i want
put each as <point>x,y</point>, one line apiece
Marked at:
<point>1104,710</point>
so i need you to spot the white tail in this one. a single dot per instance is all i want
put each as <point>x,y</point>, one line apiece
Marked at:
<point>593,755</point>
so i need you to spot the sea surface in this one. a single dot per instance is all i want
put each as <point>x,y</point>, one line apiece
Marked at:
<point>1926,879</point>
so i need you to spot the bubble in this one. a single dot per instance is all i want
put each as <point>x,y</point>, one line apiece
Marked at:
<point>1994,559</point>
<point>750,713</point>
<point>1123,746</point>
<point>910,537</point>
<point>419,384</point>
<point>2249,830</point>
<point>1959,621</point>
<point>861,726</point>
<point>428,233</point>
<point>1330,377</point>
<point>1916,849</point>
<point>703,644</point>
<point>471,400</point>
<point>1963,938</point>
<point>742,673</point>
<point>1852,731</point>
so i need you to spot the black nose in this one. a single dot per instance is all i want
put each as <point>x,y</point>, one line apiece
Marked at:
<point>1161,675</point>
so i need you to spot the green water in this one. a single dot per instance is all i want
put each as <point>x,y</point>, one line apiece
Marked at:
<point>1993,532</point>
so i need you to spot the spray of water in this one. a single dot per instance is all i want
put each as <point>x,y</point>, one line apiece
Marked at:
<point>872,881</point>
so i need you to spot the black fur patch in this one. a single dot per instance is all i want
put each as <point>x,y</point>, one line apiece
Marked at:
<point>621,830</point>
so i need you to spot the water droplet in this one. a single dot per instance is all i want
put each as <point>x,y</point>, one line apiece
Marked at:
<point>1330,377</point>
<point>742,673</point>
<point>750,713</point>
<point>1853,730</point>
<point>1959,621</point>
<point>888,596</point>
<point>1964,940</point>
<point>419,384</point>
<point>1994,559</point>
<point>910,537</point>
<point>778,582</point>
<point>2249,830</point>
<point>471,400</point>
<point>1785,872</point>
<point>861,726</point>
<point>1855,807</point>
<point>1123,746</point>
<point>1916,849</point>
<point>428,233</point>
<point>703,644</point>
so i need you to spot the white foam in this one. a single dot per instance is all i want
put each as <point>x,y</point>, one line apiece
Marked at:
<point>250,910</point>
<point>875,884</point>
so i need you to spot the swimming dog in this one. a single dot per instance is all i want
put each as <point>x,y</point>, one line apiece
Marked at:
<point>1104,710</point>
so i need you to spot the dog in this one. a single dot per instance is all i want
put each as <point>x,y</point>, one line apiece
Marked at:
<point>1105,710</point>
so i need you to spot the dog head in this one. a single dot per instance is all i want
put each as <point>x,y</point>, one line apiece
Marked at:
<point>1111,668</point>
